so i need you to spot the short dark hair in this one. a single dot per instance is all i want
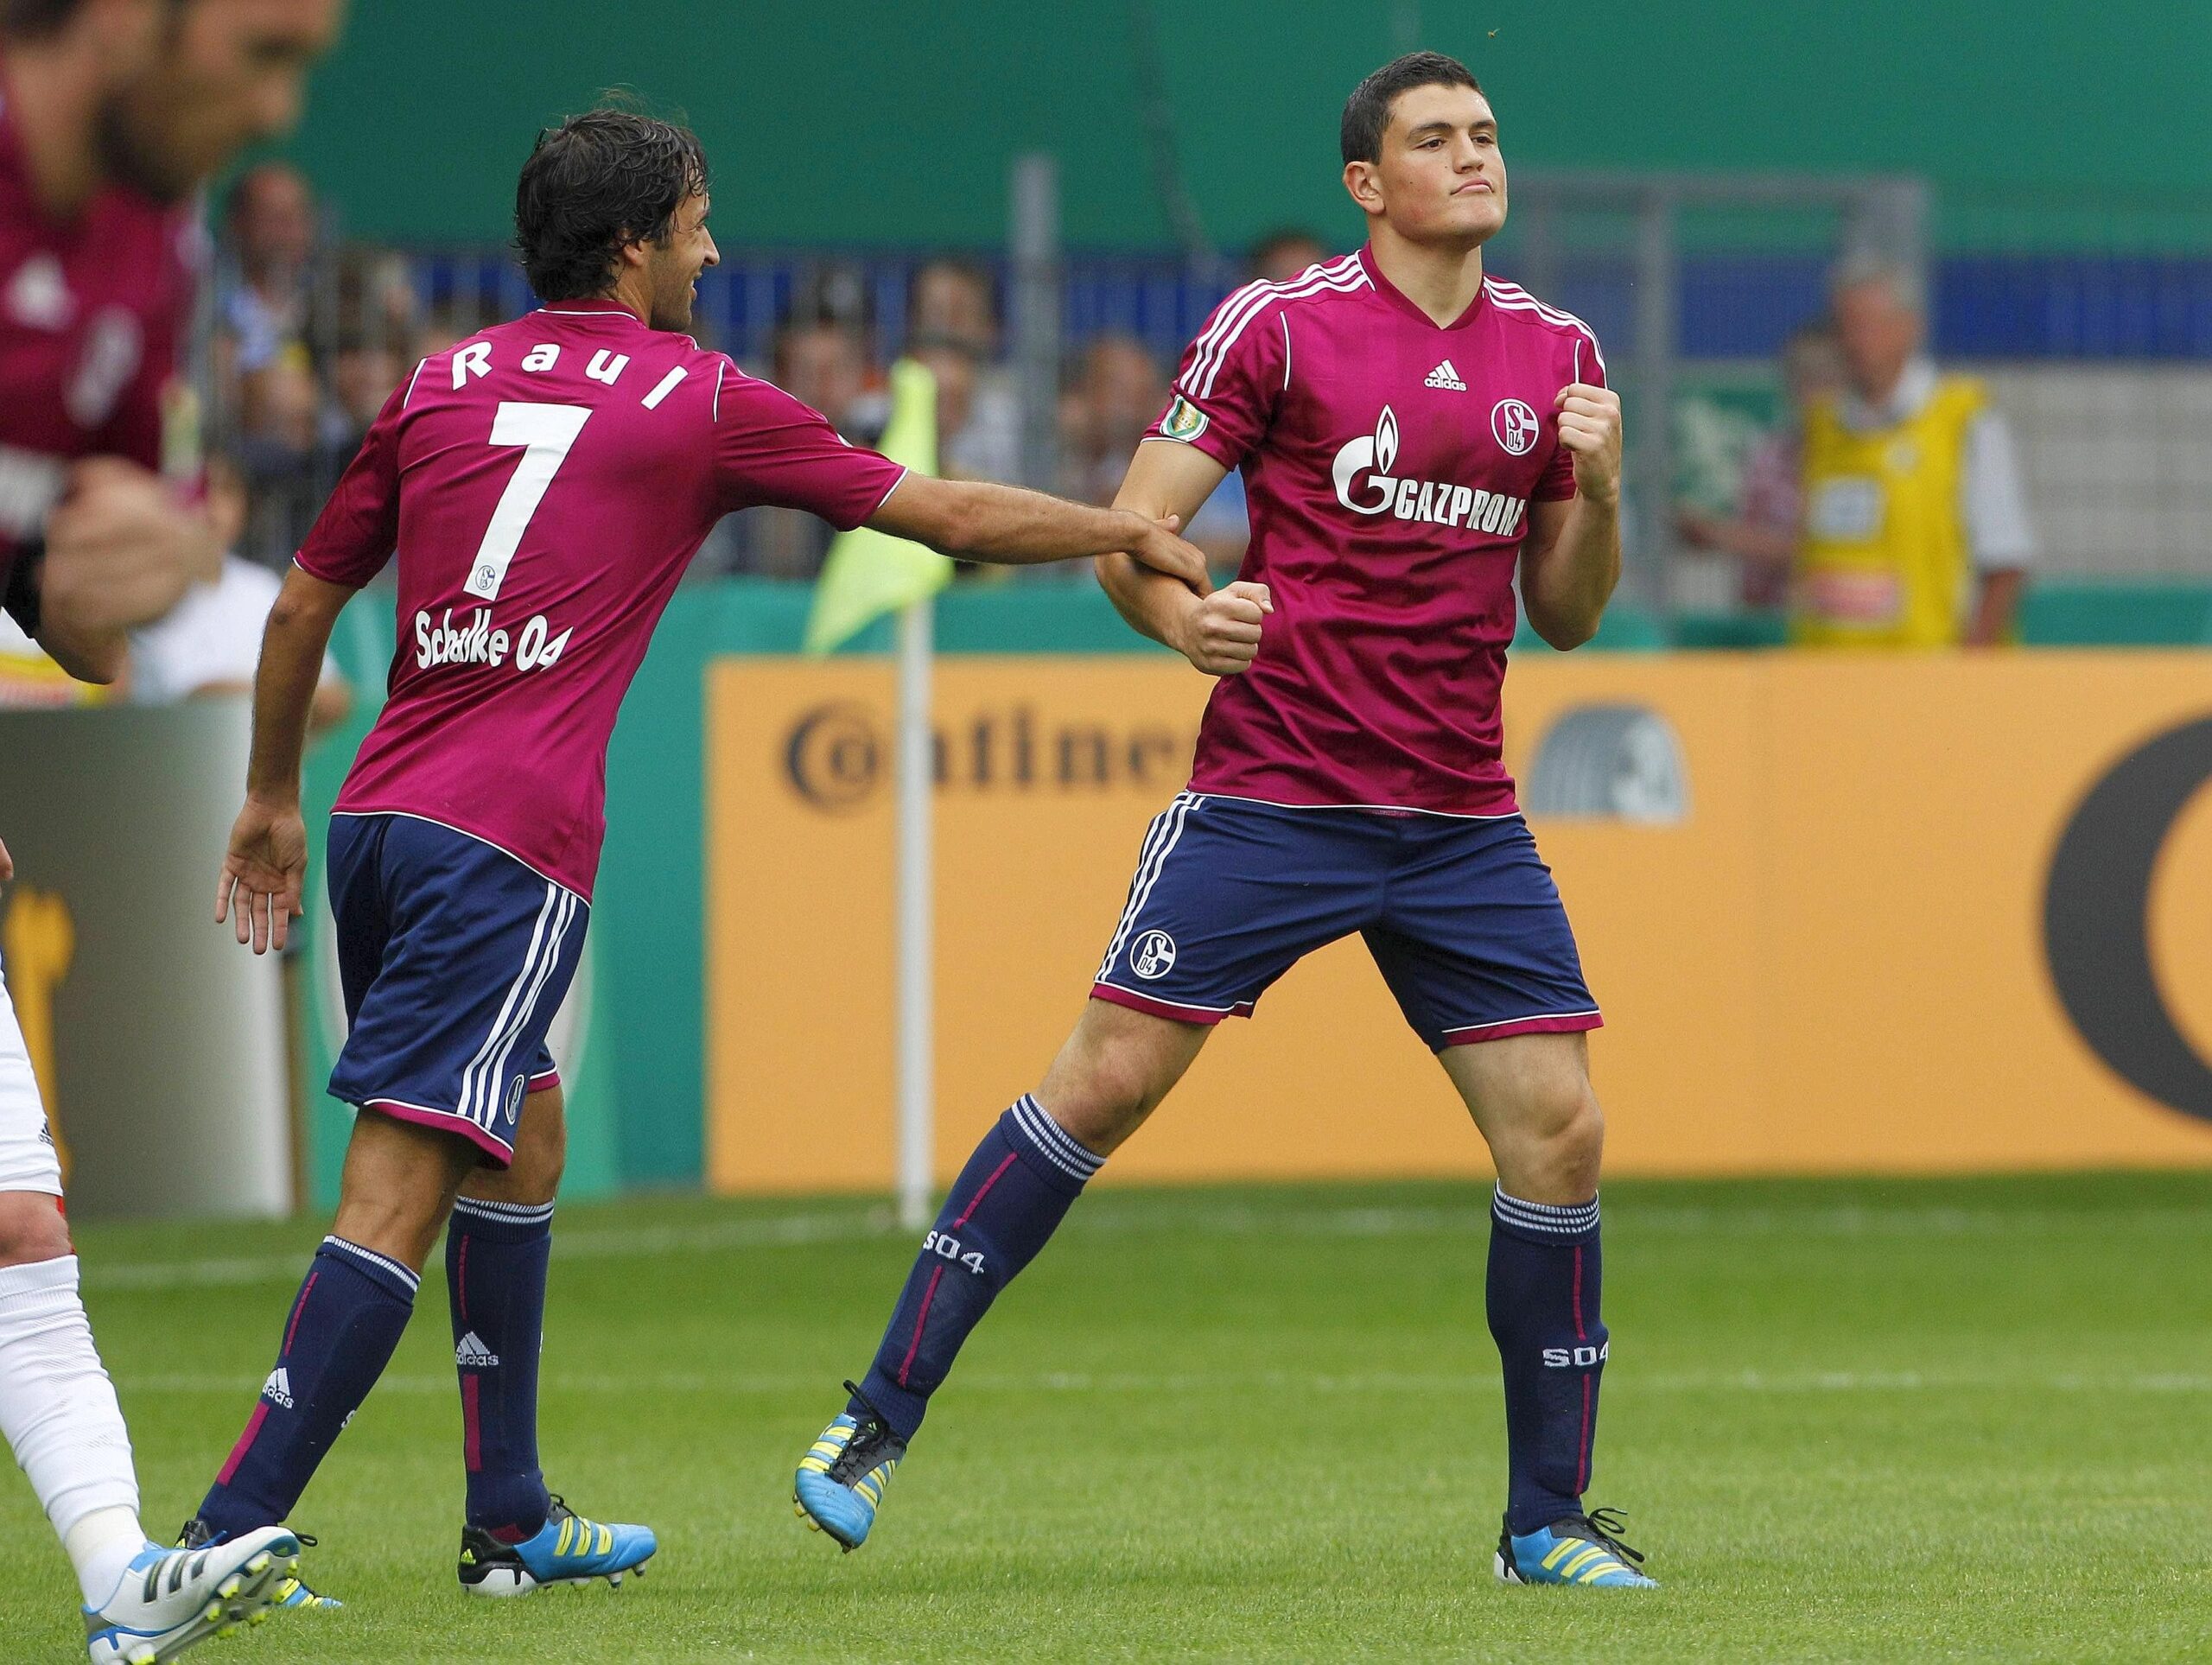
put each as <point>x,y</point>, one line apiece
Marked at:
<point>593,185</point>
<point>1367,112</point>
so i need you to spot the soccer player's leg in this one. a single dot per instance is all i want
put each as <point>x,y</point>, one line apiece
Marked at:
<point>1478,950</point>
<point>59,1413</point>
<point>518,1537</point>
<point>1223,901</point>
<point>452,956</point>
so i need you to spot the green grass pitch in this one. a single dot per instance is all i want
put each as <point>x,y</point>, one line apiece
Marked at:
<point>1863,1420</point>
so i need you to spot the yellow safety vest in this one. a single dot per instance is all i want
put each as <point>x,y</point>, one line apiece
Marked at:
<point>1886,561</point>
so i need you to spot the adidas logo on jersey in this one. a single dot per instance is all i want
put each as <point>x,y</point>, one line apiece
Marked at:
<point>278,1390</point>
<point>472,1353</point>
<point>1445,376</point>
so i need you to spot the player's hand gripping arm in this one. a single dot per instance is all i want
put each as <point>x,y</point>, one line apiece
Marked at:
<point>266,867</point>
<point>1573,556</point>
<point>1007,526</point>
<point>120,549</point>
<point>1217,631</point>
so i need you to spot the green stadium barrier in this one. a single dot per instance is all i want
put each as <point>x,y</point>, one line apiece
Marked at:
<point>647,942</point>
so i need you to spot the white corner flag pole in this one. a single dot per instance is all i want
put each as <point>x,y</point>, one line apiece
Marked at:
<point>917,969</point>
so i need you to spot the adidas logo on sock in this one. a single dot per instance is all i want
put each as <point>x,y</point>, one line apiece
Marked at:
<point>1445,376</point>
<point>278,1390</point>
<point>473,1354</point>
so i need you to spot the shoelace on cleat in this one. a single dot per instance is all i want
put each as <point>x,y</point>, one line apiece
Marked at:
<point>1601,1526</point>
<point>866,1447</point>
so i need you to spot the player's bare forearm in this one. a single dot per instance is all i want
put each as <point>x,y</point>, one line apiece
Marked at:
<point>1008,526</point>
<point>1570,567</point>
<point>1217,631</point>
<point>292,648</point>
<point>1572,560</point>
<point>88,655</point>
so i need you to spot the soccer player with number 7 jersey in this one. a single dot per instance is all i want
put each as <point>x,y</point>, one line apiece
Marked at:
<point>1412,432</point>
<point>543,484</point>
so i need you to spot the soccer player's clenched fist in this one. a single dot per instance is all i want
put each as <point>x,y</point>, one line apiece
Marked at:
<point>1590,426</point>
<point>1221,631</point>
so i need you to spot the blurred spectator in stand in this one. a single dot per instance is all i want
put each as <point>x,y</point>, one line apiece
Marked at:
<point>374,319</point>
<point>952,326</point>
<point>822,363</point>
<point>211,641</point>
<point>1916,530</point>
<point>269,223</point>
<point>1281,255</point>
<point>1117,391</point>
<point>1763,533</point>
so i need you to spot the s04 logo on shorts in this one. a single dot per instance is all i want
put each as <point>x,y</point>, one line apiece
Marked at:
<point>1154,956</point>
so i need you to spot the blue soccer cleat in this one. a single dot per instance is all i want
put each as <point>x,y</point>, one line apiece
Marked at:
<point>1579,1549</point>
<point>568,1549</point>
<point>841,1478</point>
<point>171,1600</point>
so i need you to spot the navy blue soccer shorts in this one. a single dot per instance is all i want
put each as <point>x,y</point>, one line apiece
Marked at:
<point>1460,914</point>
<point>453,958</point>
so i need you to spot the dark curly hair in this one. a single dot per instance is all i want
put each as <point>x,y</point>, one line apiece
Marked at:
<point>1367,112</point>
<point>595,184</point>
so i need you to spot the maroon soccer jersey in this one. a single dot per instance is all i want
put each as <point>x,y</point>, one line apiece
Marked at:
<point>92,309</point>
<point>1388,465</point>
<point>544,484</point>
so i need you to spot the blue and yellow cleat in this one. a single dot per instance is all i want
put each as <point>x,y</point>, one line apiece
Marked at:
<point>568,1549</point>
<point>841,1478</point>
<point>1580,1549</point>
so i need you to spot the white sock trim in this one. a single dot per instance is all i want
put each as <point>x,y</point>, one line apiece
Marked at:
<point>1057,1145</point>
<point>1555,1220</point>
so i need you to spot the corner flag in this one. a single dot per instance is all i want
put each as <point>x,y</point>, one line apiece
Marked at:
<point>869,573</point>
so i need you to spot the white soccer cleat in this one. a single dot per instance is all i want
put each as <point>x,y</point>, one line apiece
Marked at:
<point>174,1599</point>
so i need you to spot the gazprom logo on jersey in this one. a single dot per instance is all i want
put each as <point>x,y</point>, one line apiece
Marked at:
<point>474,641</point>
<point>1366,486</point>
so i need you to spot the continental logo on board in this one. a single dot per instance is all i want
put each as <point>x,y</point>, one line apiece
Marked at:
<point>838,755</point>
<point>2096,909</point>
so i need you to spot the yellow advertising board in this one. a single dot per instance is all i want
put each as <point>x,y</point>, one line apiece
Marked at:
<point>1844,914</point>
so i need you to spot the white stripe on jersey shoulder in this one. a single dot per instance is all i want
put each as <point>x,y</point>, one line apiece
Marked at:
<point>1343,276</point>
<point>723,365</point>
<point>411,380</point>
<point>1514,298</point>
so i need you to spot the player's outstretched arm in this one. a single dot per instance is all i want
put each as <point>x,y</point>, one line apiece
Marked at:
<point>1218,633</point>
<point>1572,558</point>
<point>265,868</point>
<point>1007,526</point>
<point>121,549</point>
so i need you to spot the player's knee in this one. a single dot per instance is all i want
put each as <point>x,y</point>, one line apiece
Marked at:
<point>1570,1133</point>
<point>1105,1101</point>
<point>31,1229</point>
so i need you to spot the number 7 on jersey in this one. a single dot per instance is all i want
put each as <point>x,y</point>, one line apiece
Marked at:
<point>545,432</point>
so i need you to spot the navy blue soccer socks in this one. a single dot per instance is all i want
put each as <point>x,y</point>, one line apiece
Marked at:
<point>1546,1272</point>
<point>1006,1202</point>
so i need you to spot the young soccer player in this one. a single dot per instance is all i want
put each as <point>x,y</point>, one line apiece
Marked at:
<point>1409,432</point>
<point>544,484</point>
<point>111,113</point>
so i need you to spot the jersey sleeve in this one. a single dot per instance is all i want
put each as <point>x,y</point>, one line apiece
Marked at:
<point>354,534</point>
<point>771,449</point>
<point>1230,380</point>
<point>1579,361</point>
